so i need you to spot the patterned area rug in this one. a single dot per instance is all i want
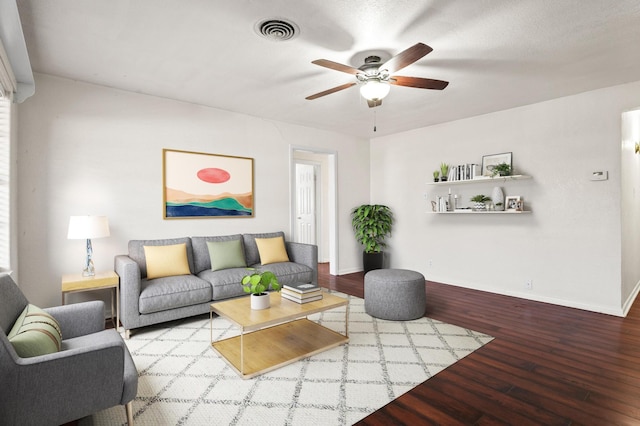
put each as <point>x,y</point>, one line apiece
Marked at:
<point>184,382</point>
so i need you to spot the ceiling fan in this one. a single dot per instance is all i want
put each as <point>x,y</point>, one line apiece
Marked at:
<point>375,77</point>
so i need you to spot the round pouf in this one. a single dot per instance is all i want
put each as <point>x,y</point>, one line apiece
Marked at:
<point>395,294</point>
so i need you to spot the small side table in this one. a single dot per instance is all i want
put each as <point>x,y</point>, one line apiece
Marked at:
<point>74,283</point>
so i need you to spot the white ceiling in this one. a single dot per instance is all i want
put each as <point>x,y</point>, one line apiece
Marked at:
<point>496,54</point>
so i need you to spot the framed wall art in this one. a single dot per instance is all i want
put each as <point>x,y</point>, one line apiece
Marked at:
<point>200,185</point>
<point>490,161</point>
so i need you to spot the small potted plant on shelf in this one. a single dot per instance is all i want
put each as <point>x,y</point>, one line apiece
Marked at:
<point>257,284</point>
<point>480,201</point>
<point>436,175</point>
<point>502,169</point>
<point>444,172</point>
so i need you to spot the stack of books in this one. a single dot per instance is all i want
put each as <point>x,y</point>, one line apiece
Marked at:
<point>301,292</point>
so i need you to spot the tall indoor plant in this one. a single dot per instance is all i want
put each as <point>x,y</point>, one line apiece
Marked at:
<point>372,224</point>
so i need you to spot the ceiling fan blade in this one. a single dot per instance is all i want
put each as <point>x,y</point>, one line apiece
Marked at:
<point>336,66</point>
<point>330,91</point>
<point>406,57</point>
<point>374,103</point>
<point>420,83</point>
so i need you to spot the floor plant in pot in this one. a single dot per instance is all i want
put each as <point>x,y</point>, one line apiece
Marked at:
<point>257,284</point>
<point>372,225</point>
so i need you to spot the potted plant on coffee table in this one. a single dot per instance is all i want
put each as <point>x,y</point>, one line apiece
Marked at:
<point>372,224</point>
<point>257,284</point>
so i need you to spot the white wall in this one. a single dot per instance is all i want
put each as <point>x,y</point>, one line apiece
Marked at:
<point>86,149</point>
<point>570,246</point>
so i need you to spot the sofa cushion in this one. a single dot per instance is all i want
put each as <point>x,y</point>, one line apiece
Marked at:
<point>226,254</point>
<point>136,251</point>
<point>161,294</point>
<point>201,258</point>
<point>251,253</point>
<point>35,333</point>
<point>166,261</point>
<point>226,282</point>
<point>272,250</point>
<point>288,272</point>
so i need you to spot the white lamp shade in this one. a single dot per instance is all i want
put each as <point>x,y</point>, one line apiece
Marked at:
<point>374,90</point>
<point>87,227</point>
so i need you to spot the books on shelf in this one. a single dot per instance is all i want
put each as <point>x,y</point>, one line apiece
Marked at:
<point>464,172</point>
<point>301,292</point>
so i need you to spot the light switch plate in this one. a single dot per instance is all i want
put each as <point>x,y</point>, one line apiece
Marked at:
<point>600,175</point>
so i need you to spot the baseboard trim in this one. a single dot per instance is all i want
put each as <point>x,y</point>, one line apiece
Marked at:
<point>632,298</point>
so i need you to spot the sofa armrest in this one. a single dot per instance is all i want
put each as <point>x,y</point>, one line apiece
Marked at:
<point>79,319</point>
<point>130,288</point>
<point>304,254</point>
<point>73,376</point>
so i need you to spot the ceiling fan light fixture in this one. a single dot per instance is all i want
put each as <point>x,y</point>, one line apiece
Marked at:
<point>374,90</point>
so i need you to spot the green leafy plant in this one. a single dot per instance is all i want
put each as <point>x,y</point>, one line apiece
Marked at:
<point>258,282</point>
<point>480,198</point>
<point>444,169</point>
<point>372,224</point>
<point>502,169</point>
<point>436,174</point>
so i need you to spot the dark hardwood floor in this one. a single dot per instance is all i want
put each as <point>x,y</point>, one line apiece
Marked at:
<point>548,365</point>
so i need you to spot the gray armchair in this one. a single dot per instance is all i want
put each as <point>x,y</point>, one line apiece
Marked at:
<point>92,371</point>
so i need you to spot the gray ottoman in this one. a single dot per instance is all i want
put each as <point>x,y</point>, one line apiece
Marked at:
<point>395,294</point>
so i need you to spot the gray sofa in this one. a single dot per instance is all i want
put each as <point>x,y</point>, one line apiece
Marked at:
<point>145,301</point>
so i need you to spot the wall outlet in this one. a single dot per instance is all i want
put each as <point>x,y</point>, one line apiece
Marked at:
<point>430,263</point>
<point>528,285</point>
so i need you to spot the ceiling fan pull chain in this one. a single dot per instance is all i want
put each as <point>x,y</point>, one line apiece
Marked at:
<point>374,120</point>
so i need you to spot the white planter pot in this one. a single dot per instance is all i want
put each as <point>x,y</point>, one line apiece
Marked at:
<point>261,301</point>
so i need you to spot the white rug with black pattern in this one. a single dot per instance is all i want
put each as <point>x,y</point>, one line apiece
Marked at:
<point>184,382</point>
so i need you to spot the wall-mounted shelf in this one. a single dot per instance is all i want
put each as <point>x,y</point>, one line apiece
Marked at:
<point>481,212</point>
<point>484,179</point>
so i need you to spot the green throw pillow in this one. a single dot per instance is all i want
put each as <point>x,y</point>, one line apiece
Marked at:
<point>226,254</point>
<point>35,333</point>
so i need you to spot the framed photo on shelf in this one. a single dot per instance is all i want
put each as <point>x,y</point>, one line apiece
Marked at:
<point>513,204</point>
<point>489,161</point>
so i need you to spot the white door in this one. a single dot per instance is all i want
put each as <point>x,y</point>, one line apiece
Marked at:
<point>305,204</point>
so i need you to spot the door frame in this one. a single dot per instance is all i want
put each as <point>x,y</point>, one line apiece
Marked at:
<point>332,197</point>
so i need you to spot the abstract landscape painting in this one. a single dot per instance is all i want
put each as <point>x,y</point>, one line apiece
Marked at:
<point>200,185</point>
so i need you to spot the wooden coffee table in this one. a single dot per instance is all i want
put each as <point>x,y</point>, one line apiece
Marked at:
<point>274,337</point>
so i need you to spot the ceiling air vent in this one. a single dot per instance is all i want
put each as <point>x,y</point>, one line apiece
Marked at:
<point>277,29</point>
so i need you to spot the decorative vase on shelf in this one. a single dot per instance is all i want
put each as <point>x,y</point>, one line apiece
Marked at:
<point>498,198</point>
<point>260,301</point>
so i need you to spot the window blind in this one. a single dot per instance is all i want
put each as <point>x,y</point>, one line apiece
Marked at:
<point>5,162</point>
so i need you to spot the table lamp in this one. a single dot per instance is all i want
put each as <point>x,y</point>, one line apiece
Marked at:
<point>87,227</point>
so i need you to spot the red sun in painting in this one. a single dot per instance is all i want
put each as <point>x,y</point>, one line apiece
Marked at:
<point>213,175</point>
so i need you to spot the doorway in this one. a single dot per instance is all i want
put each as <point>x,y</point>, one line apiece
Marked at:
<point>313,201</point>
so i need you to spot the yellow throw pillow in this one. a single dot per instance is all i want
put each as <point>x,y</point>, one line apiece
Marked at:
<point>272,250</point>
<point>166,261</point>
